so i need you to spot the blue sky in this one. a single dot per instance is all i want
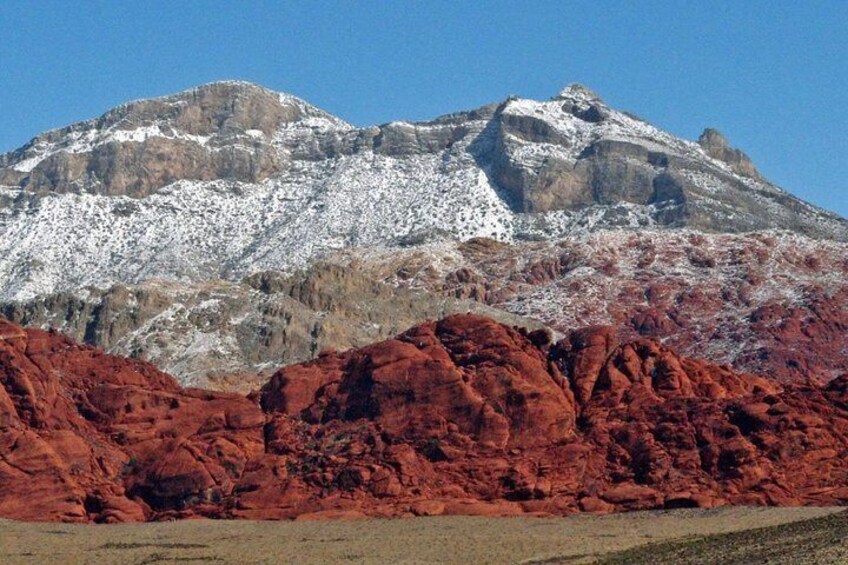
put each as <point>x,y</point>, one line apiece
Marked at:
<point>773,76</point>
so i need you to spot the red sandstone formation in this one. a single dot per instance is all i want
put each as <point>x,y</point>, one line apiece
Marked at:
<point>462,416</point>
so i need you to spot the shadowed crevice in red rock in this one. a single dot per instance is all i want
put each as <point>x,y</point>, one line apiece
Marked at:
<point>463,416</point>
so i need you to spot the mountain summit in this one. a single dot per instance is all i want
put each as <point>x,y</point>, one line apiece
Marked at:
<point>218,130</point>
<point>231,178</point>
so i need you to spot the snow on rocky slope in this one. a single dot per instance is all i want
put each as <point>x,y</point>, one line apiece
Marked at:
<point>773,303</point>
<point>229,179</point>
<point>219,334</point>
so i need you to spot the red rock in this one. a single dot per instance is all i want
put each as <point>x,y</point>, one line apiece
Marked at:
<point>595,505</point>
<point>428,508</point>
<point>632,496</point>
<point>486,379</point>
<point>461,416</point>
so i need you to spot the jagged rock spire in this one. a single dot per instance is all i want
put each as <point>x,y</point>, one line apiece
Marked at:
<point>718,147</point>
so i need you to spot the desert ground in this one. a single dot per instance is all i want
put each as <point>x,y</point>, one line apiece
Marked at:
<point>722,535</point>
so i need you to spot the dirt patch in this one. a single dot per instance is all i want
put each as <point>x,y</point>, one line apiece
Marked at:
<point>450,539</point>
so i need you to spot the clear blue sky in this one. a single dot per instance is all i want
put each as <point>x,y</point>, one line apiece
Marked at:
<point>773,76</point>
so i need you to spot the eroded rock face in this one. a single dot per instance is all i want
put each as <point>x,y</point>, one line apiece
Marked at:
<point>717,147</point>
<point>432,378</point>
<point>87,436</point>
<point>217,131</point>
<point>461,416</point>
<point>574,152</point>
<point>224,335</point>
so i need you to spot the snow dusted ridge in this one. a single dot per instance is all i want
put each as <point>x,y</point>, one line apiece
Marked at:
<point>229,179</point>
<point>124,125</point>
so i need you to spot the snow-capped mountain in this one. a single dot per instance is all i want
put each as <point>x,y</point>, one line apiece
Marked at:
<point>230,178</point>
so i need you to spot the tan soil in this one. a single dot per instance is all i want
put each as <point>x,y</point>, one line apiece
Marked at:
<point>465,540</point>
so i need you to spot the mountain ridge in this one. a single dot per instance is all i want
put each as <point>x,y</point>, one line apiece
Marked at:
<point>580,101</point>
<point>227,179</point>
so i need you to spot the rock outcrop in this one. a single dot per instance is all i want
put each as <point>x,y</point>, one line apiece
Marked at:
<point>222,130</point>
<point>460,416</point>
<point>224,335</point>
<point>717,147</point>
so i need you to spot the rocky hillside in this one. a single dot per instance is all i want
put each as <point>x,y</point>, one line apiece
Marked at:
<point>230,179</point>
<point>774,303</point>
<point>461,416</point>
<point>227,335</point>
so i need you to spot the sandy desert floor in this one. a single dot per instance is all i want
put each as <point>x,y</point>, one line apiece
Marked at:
<point>731,535</point>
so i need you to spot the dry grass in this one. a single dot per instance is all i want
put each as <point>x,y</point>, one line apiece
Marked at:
<point>462,540</point>
<point>808,542</point>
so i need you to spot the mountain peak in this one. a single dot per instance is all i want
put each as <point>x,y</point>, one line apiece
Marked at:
<point>225,98</point>
<point>578,93</point>
<point>218,130</point>
<point>233,88</point>
<point>712,138</point>
<point>222,90</point>
<point>236,83</point>
<point>231,178</point>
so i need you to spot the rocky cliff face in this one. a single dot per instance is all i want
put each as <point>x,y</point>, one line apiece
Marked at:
<point>461,416</point>
<point>233,336</point>
<point>218,131</point>
<point>230,179</point>
<point>575,152</point>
